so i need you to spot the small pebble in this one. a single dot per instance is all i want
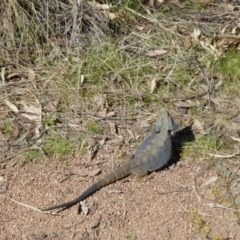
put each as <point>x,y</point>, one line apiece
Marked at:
<point>3,189</point>
<point>95,223</point>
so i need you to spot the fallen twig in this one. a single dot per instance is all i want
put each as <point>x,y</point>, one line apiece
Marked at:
<point>27,206</point>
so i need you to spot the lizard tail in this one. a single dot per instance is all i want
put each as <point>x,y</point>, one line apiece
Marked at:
<point>118,174</point>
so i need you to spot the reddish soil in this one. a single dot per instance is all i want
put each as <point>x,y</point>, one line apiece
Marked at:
<point>169,204</point>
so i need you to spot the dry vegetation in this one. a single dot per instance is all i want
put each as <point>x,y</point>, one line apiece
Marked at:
<point>84,80</point>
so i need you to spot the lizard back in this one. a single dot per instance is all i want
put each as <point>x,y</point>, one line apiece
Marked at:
<point>156,149</point>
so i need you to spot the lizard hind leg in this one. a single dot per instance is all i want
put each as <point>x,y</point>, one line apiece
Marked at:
<point>139,172</point>
<point>128,158</point>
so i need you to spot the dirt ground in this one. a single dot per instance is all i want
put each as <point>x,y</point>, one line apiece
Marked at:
<point>185,201</point>
<point>169,204</point>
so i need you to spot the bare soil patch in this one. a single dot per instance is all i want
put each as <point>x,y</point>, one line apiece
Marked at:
<point>169,204</point>
<point>71,105</point>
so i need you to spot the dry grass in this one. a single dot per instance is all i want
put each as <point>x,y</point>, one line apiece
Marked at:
<point>96,78</point>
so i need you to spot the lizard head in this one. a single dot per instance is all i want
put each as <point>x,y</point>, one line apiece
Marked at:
<point>164,120</point>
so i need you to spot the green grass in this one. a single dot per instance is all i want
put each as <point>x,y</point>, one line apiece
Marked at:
<point>208,141</point>
<point>50,119</point>
<point>183,76</point>
<point>198,222</point>
<point>201,146</point>
<point>95,127</point>
<point>106,69</point>
<point>130,234</point>
<point>205,144</point>
<point>193,4</point>
<point>111,72</point>
<point>7,127</point>
<point>228,66</point>
<point>134,4</point>
<point>32,154</point>
<point>56,145</point>
<point>102,63</point>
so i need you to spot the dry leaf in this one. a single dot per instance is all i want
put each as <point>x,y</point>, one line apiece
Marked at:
<point>101,142</point>
<point>1,179</point>
<point>112,16</point>
<point>21,138</point>
<point>82,78</point>
<point>218,84</point>
<point>84,207</point>
<point>173,28</point>
<point>131,134</point>
<point>210,181</point>
<point>74,121</point>
<point>230,7</point>
<point>182,104</point>
<point>119,78</point>
<point>203,101</point>
<point>3,138</point>
<point>12,75</point>
<point>144,124</point>
<point>37,133</point>
<point>236,139</point>
<point>178,4</point>
<point>103,113</point>
<point>187,42</point>
<point>3,112</point>
<point>104,6</point>
<point>32,112</point>
<point>51,106</point>
<point>110,114</point>
<point>140,28</point>
<point>196,34</point>
<point>113,128</point>
<point>15,130</point>
<point>31,75</point>
<point>225,41</point>
<point>197,126</point>
<point>206,43</point>
<point>235,125</point>
<point>151,3</point>
<point>155,53</point>
<point>206,1</point>
<point>222,156</point>
<point>237,199</point>
<point>100,6</point>
<point>153,84</point>
<point>100,100</point>
<point>11,106</point>
<point>3,74</point>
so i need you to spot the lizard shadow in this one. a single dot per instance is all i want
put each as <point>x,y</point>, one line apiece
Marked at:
<point>180,137</point>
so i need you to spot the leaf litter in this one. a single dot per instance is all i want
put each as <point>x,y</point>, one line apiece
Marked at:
<point>33,111</point>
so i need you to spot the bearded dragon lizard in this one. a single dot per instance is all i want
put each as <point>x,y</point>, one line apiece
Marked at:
<point>152,154</point>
